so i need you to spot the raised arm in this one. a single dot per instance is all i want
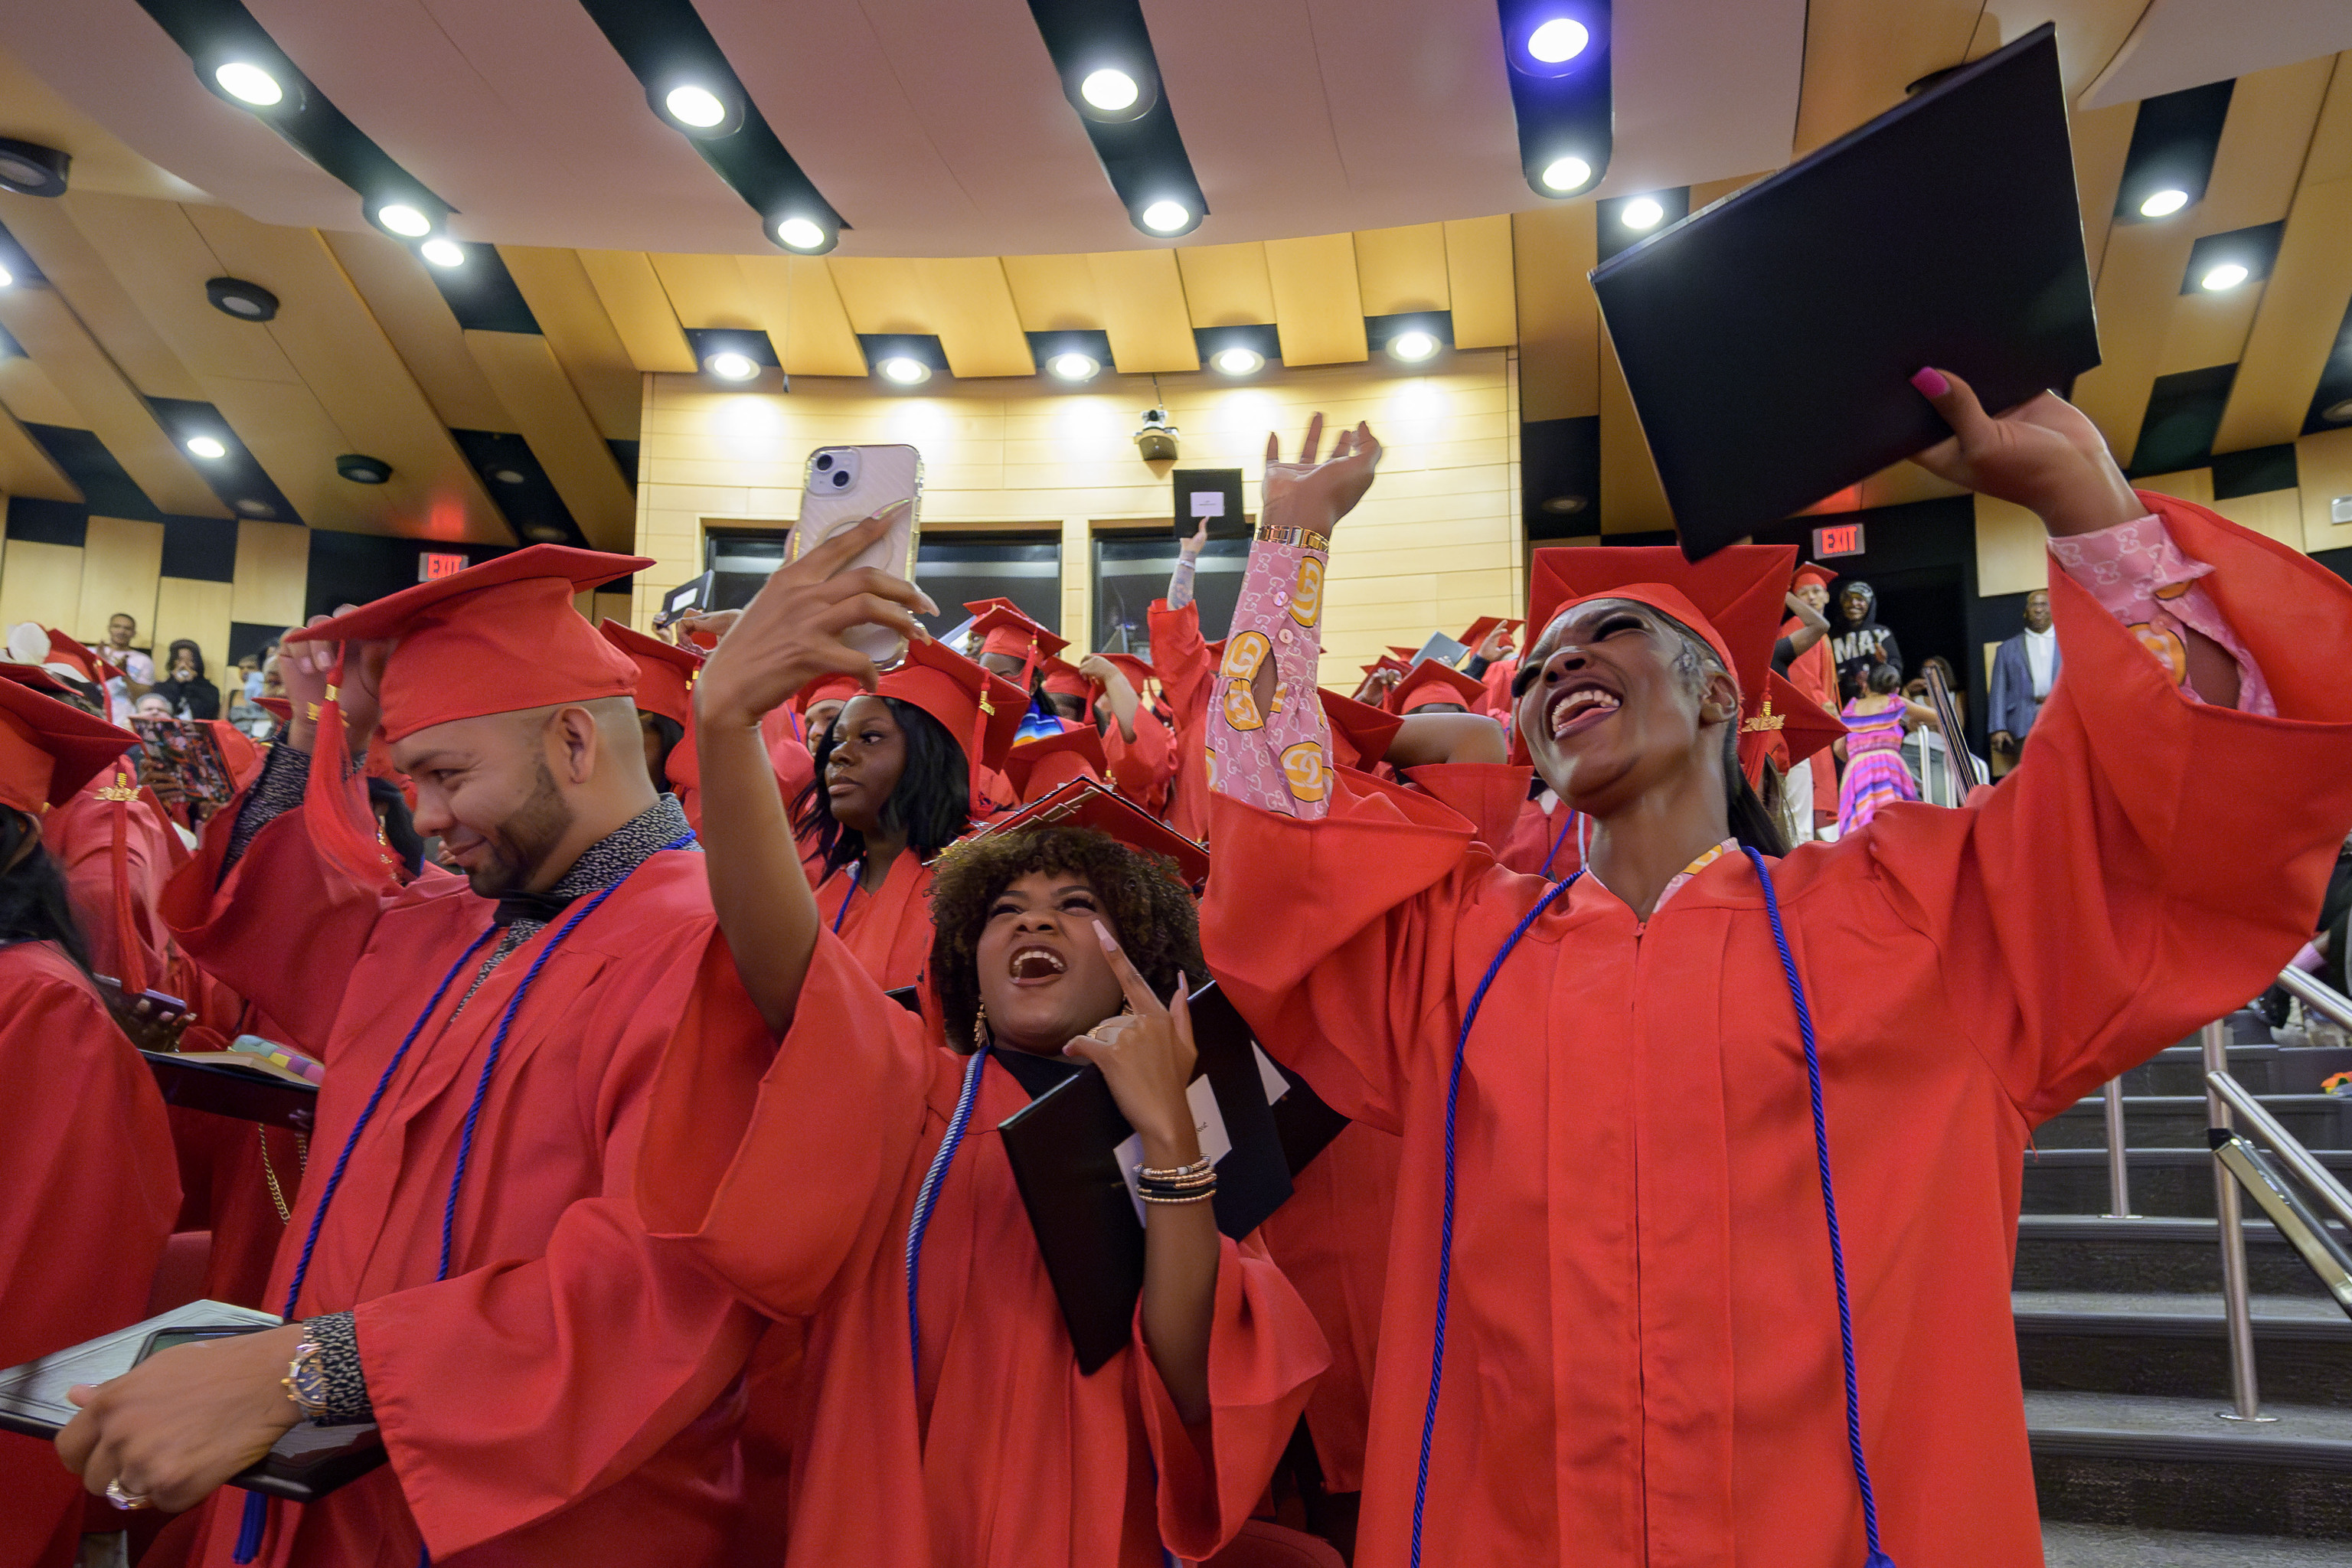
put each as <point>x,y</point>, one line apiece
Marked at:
<point>1188,561</point>
<point>789,636</point>
<point>1814,627</point>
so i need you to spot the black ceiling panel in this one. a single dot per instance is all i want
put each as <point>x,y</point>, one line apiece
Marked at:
<point>105,487</point>
<point>2331,401</point>
<point>39,521</point>
<point>238,479</point>
<point>1143,157</point>
<point>203,548</point>
<point>2172,146</point>
<point>2253,248</point>
<point>2184,412</point>
<point>524,493</point>
<point>482,293</point>
<point>2254,471</point>
<point>1559,476</point>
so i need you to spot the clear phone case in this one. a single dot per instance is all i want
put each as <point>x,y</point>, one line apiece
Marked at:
<point>842,486</point>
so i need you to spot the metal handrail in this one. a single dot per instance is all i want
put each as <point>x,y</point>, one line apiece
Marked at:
<point>2118,1159</point>
<point>2318,994</point>
<point>2305,1169</point>
<point>2237,1307</point>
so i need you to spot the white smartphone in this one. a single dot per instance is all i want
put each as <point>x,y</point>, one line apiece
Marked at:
<point>841,486</point>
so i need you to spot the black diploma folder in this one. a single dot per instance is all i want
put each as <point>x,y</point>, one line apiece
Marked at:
<point>224,1088</point>
<point>305,1465</point>
<point>1768,340</point>
<point>1061,1146</point>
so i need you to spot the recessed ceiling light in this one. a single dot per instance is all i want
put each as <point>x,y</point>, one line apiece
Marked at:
<point>1412,347</point>
<point>729,365</point>
<point>2339,413</point>
<point>1641,213</point>
<point>696,106</point>
<point>1075,367</point>
<point>906,369</point>
<point>1166,217</point>
<point>800,234</point>
<point>235,296</point>
<point>1238,361</point>
<point>6,278</point>
<point>2229,275</point>
<point>1110,91</point>
<point>206,446</point>
<point>2163,204</point>
<point>248,83</point>
<point>254,508</point>
<point>362,470</point>
<point>29,169</point>
<point>404,220</point>
<point>546,533</point>
<point>1566,174</point>
<point>1557,40</point>
<point>508,476</point>
<point>1565,506</point>
<point>442,252</point>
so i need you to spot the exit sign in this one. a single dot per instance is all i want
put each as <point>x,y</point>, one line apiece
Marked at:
<point>431,565</point>
<point>1839,539</point>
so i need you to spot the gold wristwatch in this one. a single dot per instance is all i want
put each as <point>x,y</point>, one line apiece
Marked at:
<point>306,1381</point>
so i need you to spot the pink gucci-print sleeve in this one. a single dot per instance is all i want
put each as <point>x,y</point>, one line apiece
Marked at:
<point>2140,577</point>
<point>1277,759</point>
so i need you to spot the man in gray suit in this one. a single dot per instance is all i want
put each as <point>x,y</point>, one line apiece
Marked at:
<point>2023,671</point>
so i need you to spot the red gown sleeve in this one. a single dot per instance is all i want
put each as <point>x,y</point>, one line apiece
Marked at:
<point>1489,796</point>
<point>1264,1352</point>
<point>605,1346</point>
<point>2156,860</point>
<point>1142,767</point>
<point>1186,677</point>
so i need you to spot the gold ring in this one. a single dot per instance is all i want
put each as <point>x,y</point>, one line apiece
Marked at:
<point>128,1502</point>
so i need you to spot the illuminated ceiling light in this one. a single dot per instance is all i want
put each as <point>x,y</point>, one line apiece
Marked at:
<point>1559,41</point>
<point>210,448</point>
<point>729,365</point>
<point>362,470</point>
<point>249,84</point>
<point>1075,367</point>
<point>2337,412</point>
<point>2229,275</point>
<point>1641,215</point>
<point>1111,91</point>
<point>697,107</point>
<point>442,252</point>
<point>29,169</point>
<point>6,278</point>
<point>510,476</point>
<point>1412,347</point>
<point>546,533</point>
<point>253,506</point>
<point>2164,204</point>
<point>1566,174</point>
<point>906,369</point>
<point>1166,217</point>
<point>800,234</point>
<point>1238,362</point>
<point>404,220</point>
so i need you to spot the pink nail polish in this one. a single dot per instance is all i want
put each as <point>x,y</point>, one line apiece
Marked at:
<point>1931,382</point>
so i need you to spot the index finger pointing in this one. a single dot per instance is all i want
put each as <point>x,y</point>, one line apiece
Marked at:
<point>1139,990</point>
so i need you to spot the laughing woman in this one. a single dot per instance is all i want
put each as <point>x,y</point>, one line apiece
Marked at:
<point>1619,1328</point>
<point>839,1163</point>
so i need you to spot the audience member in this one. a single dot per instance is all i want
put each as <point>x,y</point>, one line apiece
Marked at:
<point>1876,722</point>
<point>1859,643</point>
<point>2023,671</point>
<point>135,671</point>
<point>184,687</point>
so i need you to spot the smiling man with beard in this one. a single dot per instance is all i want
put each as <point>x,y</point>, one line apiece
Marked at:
<point>466,1260</point>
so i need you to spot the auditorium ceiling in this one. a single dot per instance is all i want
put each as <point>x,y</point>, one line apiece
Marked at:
<point>1356,160</point>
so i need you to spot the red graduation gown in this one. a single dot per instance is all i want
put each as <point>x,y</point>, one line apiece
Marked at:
<point>1812,673</point>
<point>889,929</point>
<point>1187,675</point>
<point>1143,768</point>
<point>565,1395</point>
<point>1642,1346</point>
<point>87,1190</point>
<point>799,1186</point>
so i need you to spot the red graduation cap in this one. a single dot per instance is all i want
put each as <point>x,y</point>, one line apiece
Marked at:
<point>1361,732</point>
<point>1090,803</point>
<point>1430,681</point>
<point>826,689</point>
<point>1812,572</point>
<point>64,650</point>
<point>982,711</point>
<point>664,672</point>
<point>277,708</point>
<point>1136,671</point>
<point>49,749</point>
<point>1039,767</point>
<point>1787,726</point>
<point>494,639</point>
<point>1484,627</point>
<point>1406,653</point>
<point>1062,679</point>
<point>1004,627</point>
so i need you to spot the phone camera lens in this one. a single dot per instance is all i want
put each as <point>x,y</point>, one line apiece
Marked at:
<point>840,481</point>
<point>824,461</point>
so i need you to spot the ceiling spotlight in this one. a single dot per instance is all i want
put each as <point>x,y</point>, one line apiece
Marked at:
<point>1166,217</point>
<point>2229,275</point>
<point>29,169</point>
<point>2339,413</point>
<point>1565,506</point>
<point>1075,367</point>
<point>1641,215</point>
<point>801,234</point>
<point>2164,204</point>
<point>208,447</point>
<point>404,220</point>
<point>1559,41</point>
<point>249,84</point>
<point>1111,91</point>
<point>509,476</point>
<point>906,369</point>
<point>729,365</point>
<point>695,107</point>
<point>253,507</point>
<point>1237,362</point>
<point>362,470</point>
<point>1566,174</point>
<point>442,252</point>
<point>1412,347</point>
<point>235,296</point>
<point>6,278</point>
<point>546,533</point>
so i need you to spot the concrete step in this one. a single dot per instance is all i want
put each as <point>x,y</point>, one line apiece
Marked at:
<point>2175,1183</point>
<point>2178,1256</point>
<point>2070,1545</point>
<point>2172,1464</point>
<point>2178,1122</point>
<point>2120,1342</point>
<point>2261,1065</point>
